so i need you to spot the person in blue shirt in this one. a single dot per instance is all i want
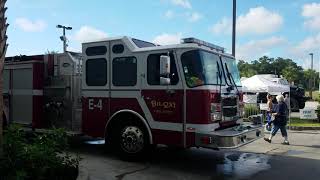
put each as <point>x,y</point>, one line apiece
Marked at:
<point>269,112</point>
<point>280,120</point>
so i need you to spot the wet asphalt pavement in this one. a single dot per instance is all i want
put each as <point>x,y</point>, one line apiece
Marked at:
<point>257,161</point>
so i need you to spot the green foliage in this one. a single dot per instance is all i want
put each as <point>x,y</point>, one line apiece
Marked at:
<point>279,66</point>
<point>318,113</point>
<point>290,73</point>
<point>37,157</point>
<point>245,69</point>
<point>251,109</point>
<point>310,75</point>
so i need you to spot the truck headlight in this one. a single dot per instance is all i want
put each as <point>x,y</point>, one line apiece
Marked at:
<point>216,116</point>
<point>215,112</point>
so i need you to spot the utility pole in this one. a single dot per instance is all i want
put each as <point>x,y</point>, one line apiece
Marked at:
<point>311,54</point>
<point>63,37</point>
<point>310,80</point>
<point>234,7</point>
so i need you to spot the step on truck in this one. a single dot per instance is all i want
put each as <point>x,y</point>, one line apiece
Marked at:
<point>134,94</point>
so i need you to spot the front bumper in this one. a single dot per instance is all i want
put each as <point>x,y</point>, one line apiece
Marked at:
<point>230,138</point>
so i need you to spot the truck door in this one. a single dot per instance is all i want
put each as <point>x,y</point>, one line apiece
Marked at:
<point>125,84</point>
<point>95,88</point>
<point>165,102</point>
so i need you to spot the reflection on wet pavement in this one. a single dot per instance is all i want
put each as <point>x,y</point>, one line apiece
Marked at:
<point>95,142</point>
<point>241,166</point>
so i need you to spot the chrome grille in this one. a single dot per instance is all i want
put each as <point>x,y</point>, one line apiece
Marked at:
<point>230,112</point>
<point>229,101</point>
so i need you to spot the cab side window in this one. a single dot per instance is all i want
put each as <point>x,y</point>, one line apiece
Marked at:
<point>124,71</point>
<point>96,72</point>
<point>153,71</point>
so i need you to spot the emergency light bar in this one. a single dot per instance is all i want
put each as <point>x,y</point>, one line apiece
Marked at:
<point>203,43</point>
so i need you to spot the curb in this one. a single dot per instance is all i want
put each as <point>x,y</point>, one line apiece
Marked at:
<point>302,128</point>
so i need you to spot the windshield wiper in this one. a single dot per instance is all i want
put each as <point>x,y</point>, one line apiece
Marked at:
<point>219,76</point>
<point>231,78</point>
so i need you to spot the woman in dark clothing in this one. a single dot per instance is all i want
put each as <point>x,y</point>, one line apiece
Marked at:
<point>280,120</point>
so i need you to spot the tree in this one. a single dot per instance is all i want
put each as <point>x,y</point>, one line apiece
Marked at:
<point>246,69</point>
<point>278,66</point>
<point>3,49</point>
<point>310,76</point>
<point>290,73</point>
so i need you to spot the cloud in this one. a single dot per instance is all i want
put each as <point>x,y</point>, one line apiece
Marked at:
<point>30,26</point>
<point>191,17</point>
<point>302,49</point>
<point>182,3</point>
<point>258,20</point>
<point>223,26</point>
<point>166,39</point>
<point>194,17</point>
<point>254,49</point>
<point>169,14</point>
<point>87,33</point>
<point>312,14</point>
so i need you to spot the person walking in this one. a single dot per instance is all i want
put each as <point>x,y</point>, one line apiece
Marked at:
<point>280,120</point>
<point>269,112</point>
<point>287,101</point>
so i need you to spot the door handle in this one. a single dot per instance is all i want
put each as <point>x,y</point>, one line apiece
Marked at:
<point>170,91</point>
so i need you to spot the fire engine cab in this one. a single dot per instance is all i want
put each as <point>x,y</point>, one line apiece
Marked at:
<point>134,94</point>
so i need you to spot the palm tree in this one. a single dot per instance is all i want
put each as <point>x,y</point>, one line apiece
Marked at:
<point>3,49</point>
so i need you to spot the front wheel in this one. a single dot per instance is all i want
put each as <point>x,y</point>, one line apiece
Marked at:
<point>132,140</point>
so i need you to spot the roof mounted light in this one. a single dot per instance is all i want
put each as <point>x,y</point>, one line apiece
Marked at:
<point>202,43</point>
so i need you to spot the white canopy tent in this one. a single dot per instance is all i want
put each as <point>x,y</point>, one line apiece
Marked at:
<point>259,84</point>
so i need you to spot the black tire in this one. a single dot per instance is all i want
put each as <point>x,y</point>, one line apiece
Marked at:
<point>134,131</point>
<point>302,104</point>
<point>294,105</point>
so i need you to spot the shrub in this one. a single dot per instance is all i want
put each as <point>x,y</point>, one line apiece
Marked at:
<point>38,156</point>
<point>251,109</point>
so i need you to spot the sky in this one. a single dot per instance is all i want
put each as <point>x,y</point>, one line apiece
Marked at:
<point>276,28</point>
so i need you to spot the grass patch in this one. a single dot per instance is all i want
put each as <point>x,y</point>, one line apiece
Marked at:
<point>304,122</point>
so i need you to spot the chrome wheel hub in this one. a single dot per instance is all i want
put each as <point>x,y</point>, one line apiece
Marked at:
<point>132,139</point>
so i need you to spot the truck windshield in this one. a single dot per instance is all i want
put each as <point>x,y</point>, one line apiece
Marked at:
<point>201,68</point>
<point>233,70</point>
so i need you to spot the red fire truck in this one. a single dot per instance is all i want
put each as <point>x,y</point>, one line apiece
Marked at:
<point>134,94</point>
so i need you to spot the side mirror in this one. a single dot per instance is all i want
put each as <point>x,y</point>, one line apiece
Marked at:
<point>164,70</point>
<point>164,65</point>
<point>165,81</point>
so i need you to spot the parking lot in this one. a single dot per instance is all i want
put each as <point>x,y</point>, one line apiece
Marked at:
<point>258,160</point>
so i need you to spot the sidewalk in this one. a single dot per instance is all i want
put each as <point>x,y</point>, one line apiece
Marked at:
<point>303,144</point>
